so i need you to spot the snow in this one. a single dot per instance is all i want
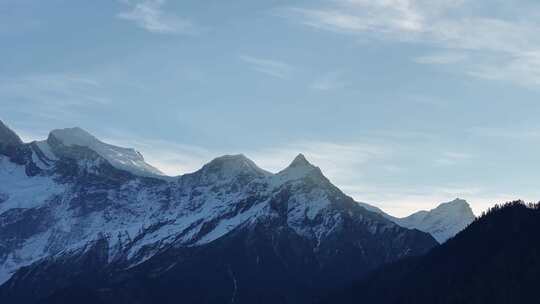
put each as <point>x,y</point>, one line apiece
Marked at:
<point>307,206</point>
<point>228,224</point>
<point>139,219</point>
<point>31,251</point>
<point>24,191</point>
<point>121,158</point>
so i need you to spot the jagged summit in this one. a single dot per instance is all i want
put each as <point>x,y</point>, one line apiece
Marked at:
<point>300,161</point>
<point>300,168</point>
<point>456,203</point>
<point>456,207</point>
<point>8,137</point>
<point>459,201</point>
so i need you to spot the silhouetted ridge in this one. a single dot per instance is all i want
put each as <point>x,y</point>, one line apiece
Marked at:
<point>494,260</point>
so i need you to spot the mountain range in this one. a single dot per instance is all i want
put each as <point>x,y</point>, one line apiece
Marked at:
<point>74,209</point>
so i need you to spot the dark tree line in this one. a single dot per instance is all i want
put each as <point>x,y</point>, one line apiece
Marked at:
<point>495,260</point>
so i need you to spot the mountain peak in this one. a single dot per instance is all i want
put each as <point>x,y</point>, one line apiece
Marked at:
<point>232,165</point>
<point>231,157</point>
<point>299,168</point>
<point>127,159</point>
<point>457,204</point>
<point>300,161</point>
<point>8,137</point>
<point>74,136</point>
<point>443,222</point>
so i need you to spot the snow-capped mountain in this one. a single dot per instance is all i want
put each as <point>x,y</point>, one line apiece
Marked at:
<point>73,198</point>
<point>121,158</point>
<point>442,223</point>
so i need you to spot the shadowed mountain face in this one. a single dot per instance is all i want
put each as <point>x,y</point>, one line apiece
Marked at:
<point>76,225</point>
<point>8,137</point>
<point>494,260</point>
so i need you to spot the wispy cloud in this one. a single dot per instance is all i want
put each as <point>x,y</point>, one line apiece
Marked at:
<point>171,158</point>
<point>269,67</point>
<point>349,16</point>
<point>487,47</point>
<point>337,159</point>
<point>452,158</point>
<point>340,161</point>
<point>514,132</point>
<point>329,81</point>
<point>400,201</point>
<point>51,95</point>
<point>149,15</point>
<point>442,58</point>
<point>521,68</point>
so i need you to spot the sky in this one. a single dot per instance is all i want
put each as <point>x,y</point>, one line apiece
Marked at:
<point>403,104</point>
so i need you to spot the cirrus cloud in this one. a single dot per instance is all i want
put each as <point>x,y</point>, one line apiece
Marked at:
<point>150,16</point>
<point>490,47</point>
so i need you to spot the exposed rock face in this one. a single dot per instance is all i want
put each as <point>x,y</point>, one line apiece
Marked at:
<point>8,137</point>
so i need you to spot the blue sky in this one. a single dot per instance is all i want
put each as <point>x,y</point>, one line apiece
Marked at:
<point>402,103</point>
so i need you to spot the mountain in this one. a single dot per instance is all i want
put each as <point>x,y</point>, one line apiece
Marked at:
<point>494,260</point>
<point>121,158</point>
<point>80,222</point>
<point>442,223</point>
